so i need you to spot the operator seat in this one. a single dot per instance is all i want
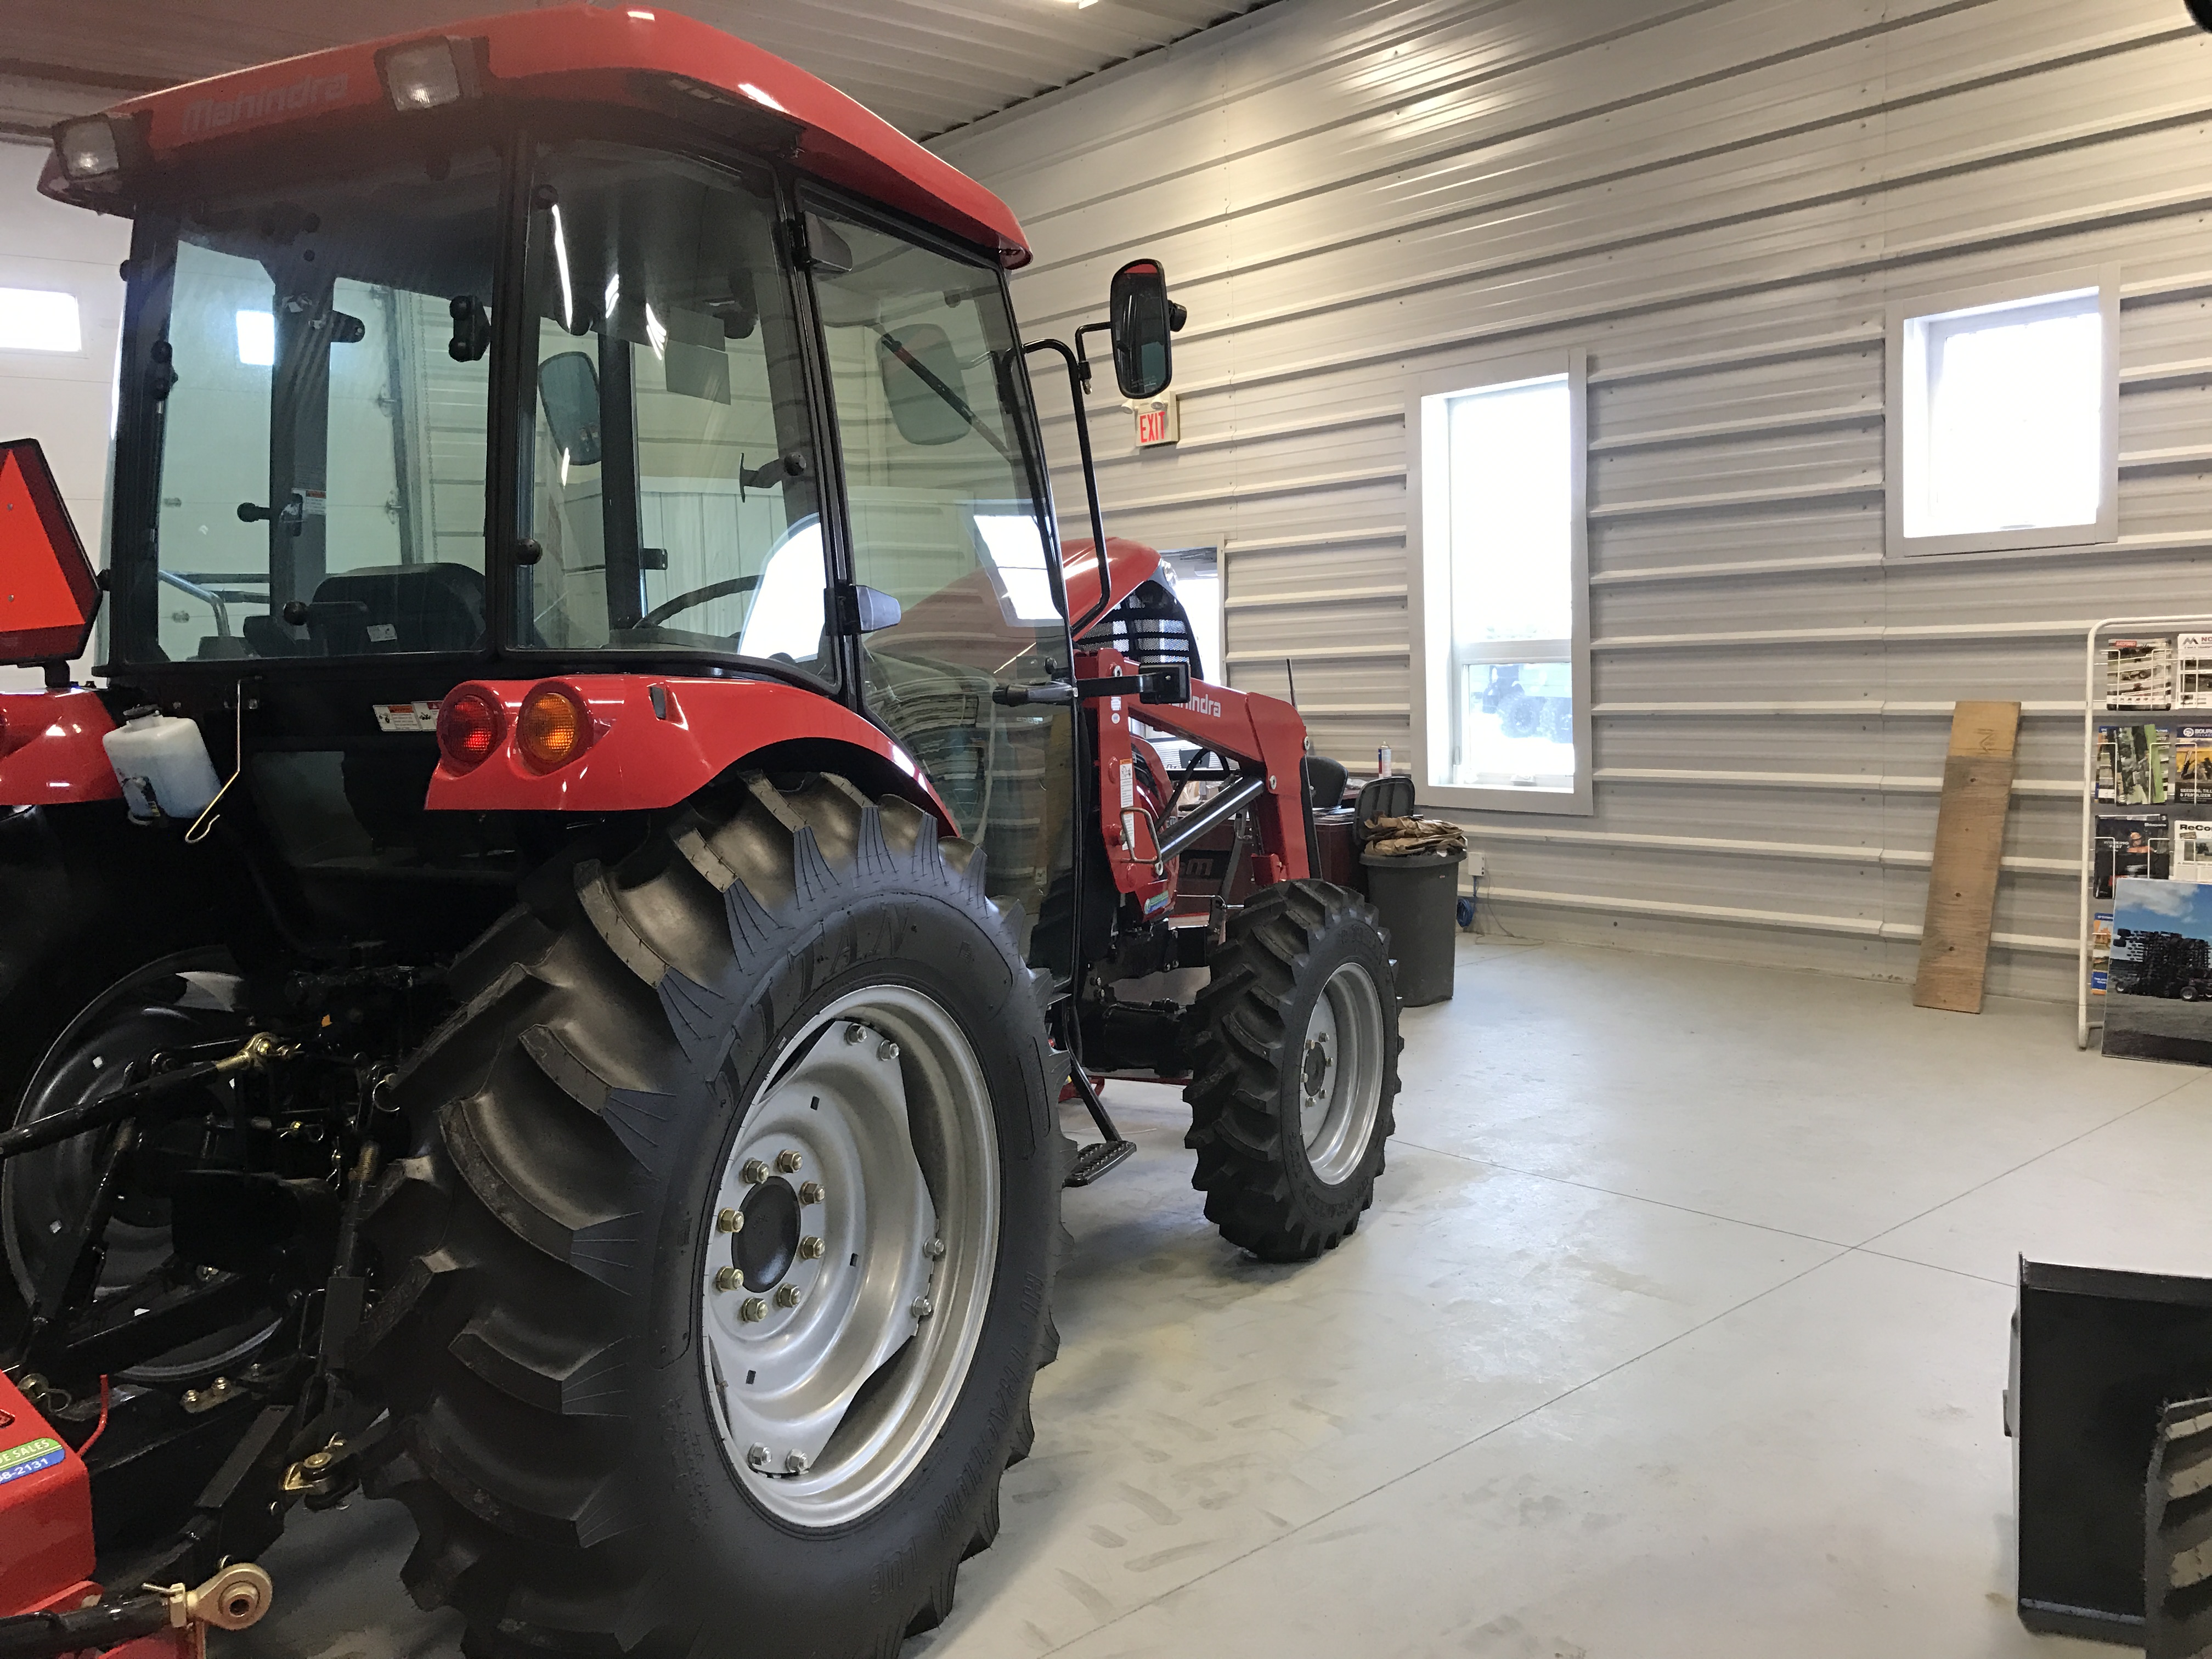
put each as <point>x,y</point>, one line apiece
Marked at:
<point>379,610</point>
<point>402,607</point>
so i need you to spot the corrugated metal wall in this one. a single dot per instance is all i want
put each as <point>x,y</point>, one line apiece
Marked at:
<point>1718,199</point>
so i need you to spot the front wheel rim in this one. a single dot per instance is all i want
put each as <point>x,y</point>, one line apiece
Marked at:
<point>1340,1073</point>
<point>842,1311</point>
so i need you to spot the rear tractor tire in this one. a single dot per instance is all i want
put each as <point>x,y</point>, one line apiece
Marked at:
<point>713,1288</point>
<point>1293,1046</point>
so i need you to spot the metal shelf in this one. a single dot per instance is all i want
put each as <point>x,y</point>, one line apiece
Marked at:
<point>2093,706</point>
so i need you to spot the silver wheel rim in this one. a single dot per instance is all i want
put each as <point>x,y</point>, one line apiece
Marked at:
<point>843,1313</point>
<point>1340,1073</point>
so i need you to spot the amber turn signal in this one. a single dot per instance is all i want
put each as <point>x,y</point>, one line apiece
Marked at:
<point>553,728</point>
<point>471,723</point>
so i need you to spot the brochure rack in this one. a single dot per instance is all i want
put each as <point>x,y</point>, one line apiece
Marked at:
<point>2093,706</point>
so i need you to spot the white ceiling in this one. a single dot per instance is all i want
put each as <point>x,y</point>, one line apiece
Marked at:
<point>924,65</point>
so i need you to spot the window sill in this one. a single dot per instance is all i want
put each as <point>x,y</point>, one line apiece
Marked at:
<point>1573,802</point>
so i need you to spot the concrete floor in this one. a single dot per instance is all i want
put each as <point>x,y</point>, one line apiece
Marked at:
<point>1678,1327</point>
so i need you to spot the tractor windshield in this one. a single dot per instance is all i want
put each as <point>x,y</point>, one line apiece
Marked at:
<point>319,455</point>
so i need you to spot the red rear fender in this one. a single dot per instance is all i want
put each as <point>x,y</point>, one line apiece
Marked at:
<point>657,740</point>
<point>50,749</point>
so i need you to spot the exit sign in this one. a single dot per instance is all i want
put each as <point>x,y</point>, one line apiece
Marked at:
<point>1157,422</point>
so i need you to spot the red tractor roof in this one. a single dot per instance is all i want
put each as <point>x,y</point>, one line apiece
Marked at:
<point>584,54</point>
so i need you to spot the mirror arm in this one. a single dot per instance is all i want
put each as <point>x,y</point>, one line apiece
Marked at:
<point>1076,380</point>
<point>1082,358</point>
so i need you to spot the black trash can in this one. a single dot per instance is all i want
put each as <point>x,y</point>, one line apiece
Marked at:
<point>1418,896</point>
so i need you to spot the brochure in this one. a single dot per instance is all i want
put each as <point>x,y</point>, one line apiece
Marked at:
<point>2135,764</point>
<point>2138,673</point>
<point>2192,671</point>
<point>2131,844</point>
<point>2192,850</point>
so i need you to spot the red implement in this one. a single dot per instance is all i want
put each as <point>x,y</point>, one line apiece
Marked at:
<point>46,1515</point>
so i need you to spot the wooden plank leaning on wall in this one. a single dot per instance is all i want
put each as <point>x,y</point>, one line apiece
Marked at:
<point>1962,882</point>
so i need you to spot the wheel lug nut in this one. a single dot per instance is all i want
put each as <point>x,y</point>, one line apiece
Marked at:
<point>754,1172</point>
<point>811,1249</point>
<point>854,1033</point>
<point>728,1279</point>
<point>795,1463</point>
<point>757,1457</point>
<point>730,1221</point>
<point>935,1249</point>
<point>922,1308</point>
<point>810,1192</point>
<point>787,1161</point>
<point>889,1050</point>
<point>752,1310</point>
<point>786,1296</point>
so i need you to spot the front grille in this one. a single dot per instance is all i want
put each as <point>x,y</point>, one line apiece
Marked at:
<point>1149,626</point>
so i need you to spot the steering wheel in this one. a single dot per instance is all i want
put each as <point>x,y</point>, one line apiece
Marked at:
<point>721,590</point>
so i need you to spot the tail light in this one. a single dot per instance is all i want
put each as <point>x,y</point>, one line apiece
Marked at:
<point>553,728</point>
<point>471,723</point>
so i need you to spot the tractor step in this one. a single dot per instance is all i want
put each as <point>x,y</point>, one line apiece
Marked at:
<point>1094,1160</point>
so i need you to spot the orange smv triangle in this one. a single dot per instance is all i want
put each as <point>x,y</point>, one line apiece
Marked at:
<point>34,593</point>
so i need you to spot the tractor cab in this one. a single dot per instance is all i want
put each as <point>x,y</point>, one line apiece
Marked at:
<point>580,345</point>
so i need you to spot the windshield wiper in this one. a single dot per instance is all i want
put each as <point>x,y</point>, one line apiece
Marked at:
<point>951,398</point>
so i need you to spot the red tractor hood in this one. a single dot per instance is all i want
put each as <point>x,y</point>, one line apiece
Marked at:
<point>1127,563</point>
<point>634,57</point>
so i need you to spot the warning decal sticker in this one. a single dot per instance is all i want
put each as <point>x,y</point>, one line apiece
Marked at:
<point>407,716</point>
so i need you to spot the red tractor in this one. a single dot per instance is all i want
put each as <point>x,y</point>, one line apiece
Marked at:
<point>540,986</point>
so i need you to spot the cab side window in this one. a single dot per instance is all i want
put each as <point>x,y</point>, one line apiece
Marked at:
<point>673,478</point>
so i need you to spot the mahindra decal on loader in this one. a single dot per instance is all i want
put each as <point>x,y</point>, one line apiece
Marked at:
<point>539,981</point>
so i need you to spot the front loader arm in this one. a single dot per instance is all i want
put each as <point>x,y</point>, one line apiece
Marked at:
<point>1261,736</point>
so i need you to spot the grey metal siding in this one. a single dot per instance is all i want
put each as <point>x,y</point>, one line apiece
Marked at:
<point>1718,200</point>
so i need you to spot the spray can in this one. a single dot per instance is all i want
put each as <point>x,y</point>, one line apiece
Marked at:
<point>1383,761</point>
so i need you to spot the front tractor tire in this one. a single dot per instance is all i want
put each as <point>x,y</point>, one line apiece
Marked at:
<point>1294,1048</point>
<point>712,1292</point>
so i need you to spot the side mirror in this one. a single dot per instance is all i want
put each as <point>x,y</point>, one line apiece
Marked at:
<point>1142,320</point>
<point>47,594</point>
<point>568,387</point>
<point>922,380</point>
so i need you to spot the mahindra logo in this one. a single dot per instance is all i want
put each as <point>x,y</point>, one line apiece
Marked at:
<point>1206,706</point>
<point>209,114</point>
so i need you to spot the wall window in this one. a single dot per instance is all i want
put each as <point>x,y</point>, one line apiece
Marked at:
<point>1198,584</point>
<point>1195,574</point>
<point>1504,594</point>
<point>39,319</point>
<point>2003,429</point>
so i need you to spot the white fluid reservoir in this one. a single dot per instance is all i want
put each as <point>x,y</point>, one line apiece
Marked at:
<point>162,761</point>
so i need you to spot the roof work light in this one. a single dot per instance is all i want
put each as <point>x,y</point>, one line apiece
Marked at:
<point>87,147</point>
<point>428,74</point>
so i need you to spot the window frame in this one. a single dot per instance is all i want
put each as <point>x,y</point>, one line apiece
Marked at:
<point>1428,555</point>
<point>1900,396</point>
